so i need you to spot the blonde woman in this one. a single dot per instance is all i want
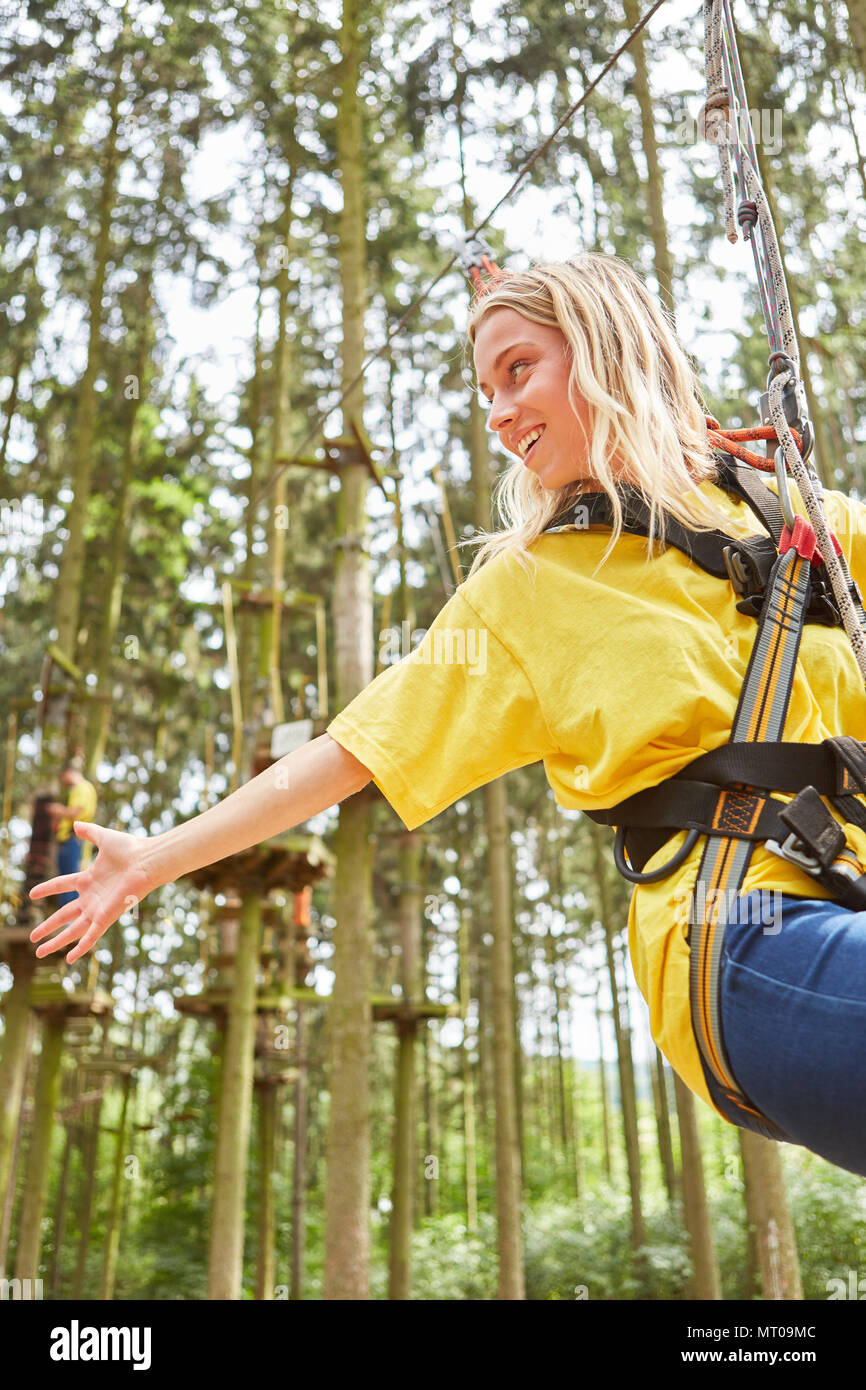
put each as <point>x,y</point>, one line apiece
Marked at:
<point>615,662</point>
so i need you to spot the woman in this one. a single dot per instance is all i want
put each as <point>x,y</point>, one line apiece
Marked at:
<point>614,662</point>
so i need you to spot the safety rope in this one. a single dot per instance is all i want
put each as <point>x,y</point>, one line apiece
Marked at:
<point>725,122</point>
<point>827,543</point>
<point>731,441</point>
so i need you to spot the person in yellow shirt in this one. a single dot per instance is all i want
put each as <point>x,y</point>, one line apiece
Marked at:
<point>80,805</point>
<point>615,663</point>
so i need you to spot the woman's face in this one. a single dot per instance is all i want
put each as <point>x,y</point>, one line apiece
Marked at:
<point>523,369</point>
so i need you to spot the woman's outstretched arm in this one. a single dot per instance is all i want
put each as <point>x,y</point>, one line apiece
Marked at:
<point>128,867</point>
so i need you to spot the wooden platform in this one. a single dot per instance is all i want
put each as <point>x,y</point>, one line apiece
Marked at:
<point>384,1007</point>
<point>49,996</point>
<point>289,862</point>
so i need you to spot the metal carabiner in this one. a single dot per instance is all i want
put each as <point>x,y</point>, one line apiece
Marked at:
<point>784,494</point>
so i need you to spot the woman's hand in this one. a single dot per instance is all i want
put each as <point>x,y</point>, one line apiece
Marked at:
<point>114,883</point>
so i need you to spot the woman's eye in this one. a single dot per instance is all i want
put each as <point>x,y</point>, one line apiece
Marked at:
<point>515,365</point>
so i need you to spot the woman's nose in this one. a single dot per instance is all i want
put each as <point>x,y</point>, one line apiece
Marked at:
<point>501,413</point>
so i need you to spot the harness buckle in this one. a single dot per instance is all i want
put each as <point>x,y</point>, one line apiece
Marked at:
<point>816,839</point>
<point>749,563</point>
<point>798,857</point>
<point>822,606</point>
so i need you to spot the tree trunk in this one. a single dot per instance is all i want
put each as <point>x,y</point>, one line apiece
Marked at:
<point>100,710</point>
<point>299,1167</point>
<point>405,1162</point>
<point>655,184</point>
<point>45,1104</point>
<point>89,1156</point>
<point>69,582</point>
<point>768,1215</point>
<point>560,1062</point>
<point>469,1159</point>
<point>508,1165</point>
<point>431,1120</point>
<point>705,1282</point>
<point>17,1145</point>
<point>663,1122</point>
<point>347,1198</point>
<point>605,1107</point>
<point>624,1055</point>
<point>13,1072</point>
<point>112,1233</point>
<point>508,1177</point>
<point>266,1094</point>
<point>857,30</point>
<point>53,1279</point>
<point>225,1273</point>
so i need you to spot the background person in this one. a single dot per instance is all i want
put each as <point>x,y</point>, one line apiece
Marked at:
<point>80,805</point>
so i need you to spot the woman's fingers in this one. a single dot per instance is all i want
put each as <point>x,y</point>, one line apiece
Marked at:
<point>57,919</point>
<point>89,939</point>
<point>113,883</point>
<point>66,883</point>
<point>72,933</point>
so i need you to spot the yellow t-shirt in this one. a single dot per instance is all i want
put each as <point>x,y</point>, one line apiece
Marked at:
<point>81,801</point>
<point>617,682</point>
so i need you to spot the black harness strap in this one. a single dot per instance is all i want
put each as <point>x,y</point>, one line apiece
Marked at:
<point>725,794</point>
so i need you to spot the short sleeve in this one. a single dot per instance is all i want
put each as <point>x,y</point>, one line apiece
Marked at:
<point>453,714</point>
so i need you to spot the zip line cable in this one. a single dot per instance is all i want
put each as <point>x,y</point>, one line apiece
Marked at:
<point>425,293</point>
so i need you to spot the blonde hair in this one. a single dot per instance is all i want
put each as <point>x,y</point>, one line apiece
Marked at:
<point>643,401</point>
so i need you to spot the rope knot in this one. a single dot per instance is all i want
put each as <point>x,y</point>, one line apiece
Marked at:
<point>714,116</point>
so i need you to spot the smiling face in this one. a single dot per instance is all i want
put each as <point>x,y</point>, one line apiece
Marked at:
<point>523,369</point>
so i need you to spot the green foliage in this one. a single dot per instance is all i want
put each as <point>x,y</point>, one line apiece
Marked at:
<point>436,89</point>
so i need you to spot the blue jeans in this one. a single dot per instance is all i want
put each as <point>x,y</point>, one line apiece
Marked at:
<point>793,1013</point>
<point>68,862</point>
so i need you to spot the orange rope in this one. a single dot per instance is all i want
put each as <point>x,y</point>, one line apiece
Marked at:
<point>728,441</point>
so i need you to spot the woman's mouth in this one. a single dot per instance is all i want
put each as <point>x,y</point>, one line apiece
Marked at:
<point>534,437</point>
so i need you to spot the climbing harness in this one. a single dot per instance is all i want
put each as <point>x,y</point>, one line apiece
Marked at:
<point>809,567</point>
<point>793,575</point>
<point>727,795</point>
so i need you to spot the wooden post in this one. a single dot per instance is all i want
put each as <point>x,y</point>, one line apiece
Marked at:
<point>299,1167</point>
<point>9,1202</point>
<point>227,1232</point>
<point>33,1204</point>
<point>13,1064</point>
<point>266,1095</point>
